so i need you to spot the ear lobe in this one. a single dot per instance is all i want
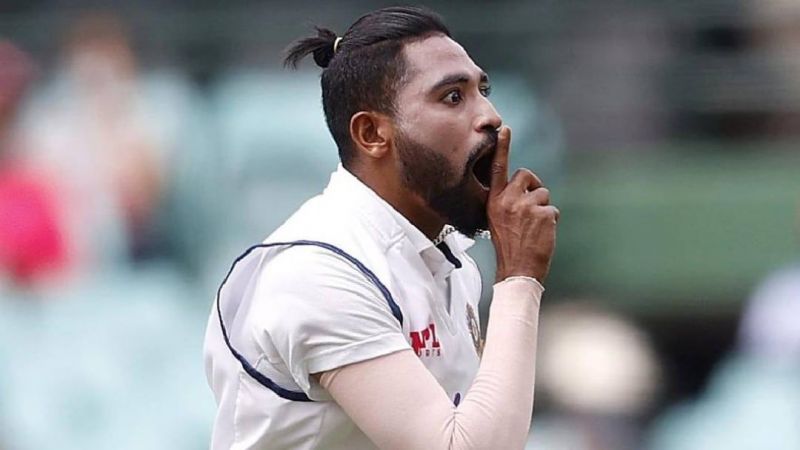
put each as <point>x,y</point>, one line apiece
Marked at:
<point>371,133</point>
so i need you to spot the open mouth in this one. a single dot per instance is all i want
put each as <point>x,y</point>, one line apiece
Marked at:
<point>482,169</point>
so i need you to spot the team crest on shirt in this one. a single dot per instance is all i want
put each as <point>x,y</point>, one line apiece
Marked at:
<point>474,329</point>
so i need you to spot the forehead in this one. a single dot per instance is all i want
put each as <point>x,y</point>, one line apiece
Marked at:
<point>431,59</point>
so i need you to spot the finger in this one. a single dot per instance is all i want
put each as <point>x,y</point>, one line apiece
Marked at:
<point>500,161</point>
<point>540,196</point>
<point>525,180</point>
<point>556,212</point>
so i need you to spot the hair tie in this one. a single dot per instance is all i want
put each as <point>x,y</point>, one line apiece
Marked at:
<point>336,44</point>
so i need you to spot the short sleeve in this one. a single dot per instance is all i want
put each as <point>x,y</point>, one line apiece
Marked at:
<point>319,312</point>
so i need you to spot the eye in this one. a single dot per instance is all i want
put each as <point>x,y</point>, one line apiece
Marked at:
<point>486,90</point>
<point>453,97</point>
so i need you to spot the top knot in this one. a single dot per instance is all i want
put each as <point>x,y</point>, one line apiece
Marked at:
<point>323,46</point>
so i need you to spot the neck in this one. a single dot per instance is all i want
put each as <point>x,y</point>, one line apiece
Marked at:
<point>413,209</point>
<point>407,203</point>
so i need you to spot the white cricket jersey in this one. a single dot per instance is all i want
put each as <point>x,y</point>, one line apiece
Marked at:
<point>350,279</point>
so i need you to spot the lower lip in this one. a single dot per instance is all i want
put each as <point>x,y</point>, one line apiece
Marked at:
<point>481,191</point>
<point>475,179</point>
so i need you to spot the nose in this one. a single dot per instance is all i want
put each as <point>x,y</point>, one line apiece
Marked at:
<point>488,117</point>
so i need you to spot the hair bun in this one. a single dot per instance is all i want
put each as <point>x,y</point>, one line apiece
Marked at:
<point>320,46</point>
<point>324,52</point>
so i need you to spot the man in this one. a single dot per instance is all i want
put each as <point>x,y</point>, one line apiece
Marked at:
<point>354,325</point>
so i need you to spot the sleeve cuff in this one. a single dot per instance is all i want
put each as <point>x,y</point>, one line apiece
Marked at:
<point>514,289</point>
<point>521,278</point>
<point>375,347</point>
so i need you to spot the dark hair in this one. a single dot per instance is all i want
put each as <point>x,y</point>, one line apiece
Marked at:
<point>367,68</point>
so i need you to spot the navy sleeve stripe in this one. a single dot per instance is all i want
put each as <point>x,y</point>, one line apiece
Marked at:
<point>258,376</point>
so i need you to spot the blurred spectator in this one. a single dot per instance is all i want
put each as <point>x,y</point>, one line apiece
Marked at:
<point>91,125</point>
<point>108,359</point>
<point>104,361</point>
<point>600,375</point>
<point>32,241</point>
<point>753,397</point>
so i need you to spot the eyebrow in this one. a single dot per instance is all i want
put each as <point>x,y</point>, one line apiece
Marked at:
<point>457,78</point>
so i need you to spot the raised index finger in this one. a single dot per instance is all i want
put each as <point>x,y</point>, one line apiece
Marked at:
<point>500,162</point>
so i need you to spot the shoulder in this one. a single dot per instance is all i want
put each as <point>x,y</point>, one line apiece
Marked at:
<point>363,232</point>
<point>301,269</point>
<point>309,282</point>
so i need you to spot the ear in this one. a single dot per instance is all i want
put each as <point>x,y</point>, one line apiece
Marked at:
<point>372,133</point>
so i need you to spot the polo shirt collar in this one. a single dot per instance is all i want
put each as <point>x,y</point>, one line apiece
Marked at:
<point>345,183</point>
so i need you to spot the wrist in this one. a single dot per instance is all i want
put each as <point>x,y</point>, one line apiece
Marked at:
<point>501,275</point>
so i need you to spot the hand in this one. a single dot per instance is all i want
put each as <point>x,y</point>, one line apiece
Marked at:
<point>521,219</point>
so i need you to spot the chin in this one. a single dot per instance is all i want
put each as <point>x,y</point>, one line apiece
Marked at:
<point>463,206</point>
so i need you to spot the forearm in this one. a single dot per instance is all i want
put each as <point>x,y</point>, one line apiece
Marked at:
<point>496,409</point>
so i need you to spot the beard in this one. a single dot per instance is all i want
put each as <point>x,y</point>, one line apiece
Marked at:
<point>445,190</point>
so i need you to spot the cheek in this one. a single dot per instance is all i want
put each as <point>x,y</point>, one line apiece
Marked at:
<point>443,134</point>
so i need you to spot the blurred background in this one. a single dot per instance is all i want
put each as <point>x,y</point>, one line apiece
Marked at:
<point>144,145</point>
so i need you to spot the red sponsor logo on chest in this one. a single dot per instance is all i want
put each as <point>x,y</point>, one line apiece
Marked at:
<point>425,342</point>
